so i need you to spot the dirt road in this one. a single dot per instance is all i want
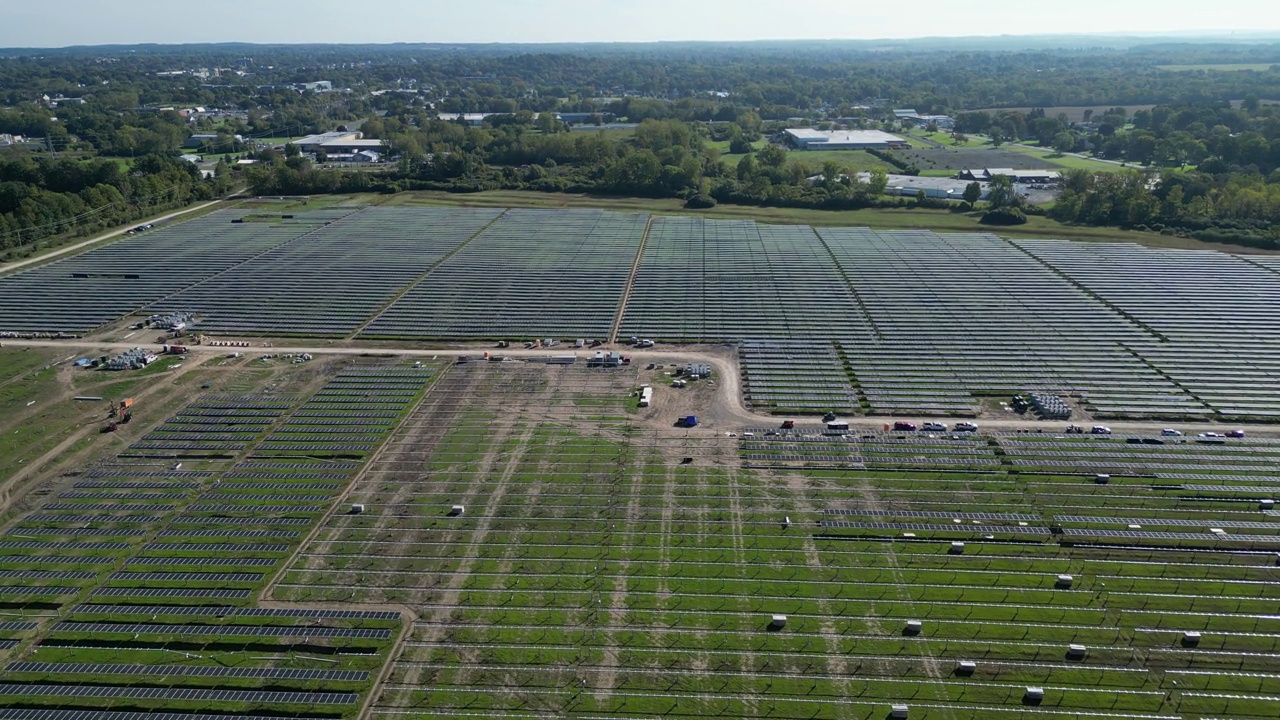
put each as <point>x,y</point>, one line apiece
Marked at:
<point>727,403</point>
<point>42,257</point>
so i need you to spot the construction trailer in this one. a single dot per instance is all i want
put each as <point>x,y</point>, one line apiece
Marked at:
<point>646,396</point>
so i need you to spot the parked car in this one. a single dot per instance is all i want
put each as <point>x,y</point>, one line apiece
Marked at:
<point>935,427</point>
<point>1235,433</point>
<point>1170,432</point>
<point>788,424</point>
<point>1100,430</point>
<point>1208,435</point>
<point>1075,430</point>
<point>966,427</point>
<point>900,425</point>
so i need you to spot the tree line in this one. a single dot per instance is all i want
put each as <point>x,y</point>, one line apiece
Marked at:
<point>41,197</point>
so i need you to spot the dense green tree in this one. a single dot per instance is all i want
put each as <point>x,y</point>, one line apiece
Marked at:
<point>1001,192</point>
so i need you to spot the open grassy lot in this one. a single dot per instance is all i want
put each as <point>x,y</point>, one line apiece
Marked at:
<point>945,138</point>
<point>857,160</point>
<point>1018,157</point>
<point>1052,158</point>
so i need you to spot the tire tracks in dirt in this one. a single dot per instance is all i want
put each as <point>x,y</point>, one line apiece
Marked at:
<point>434,625</point>
<point>930,664</point>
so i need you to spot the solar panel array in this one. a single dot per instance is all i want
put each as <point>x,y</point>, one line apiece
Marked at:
<point>963,315</point>
<point>191,543</point>
<point>733,279</point>
<point>795,376</point>
<point>90,289</point>
<point>334,279</point>
<point>1211,315</point>
<point>532,273</point>
<point>187,694</point>
<point>199,671</point>
<point>29,714</point>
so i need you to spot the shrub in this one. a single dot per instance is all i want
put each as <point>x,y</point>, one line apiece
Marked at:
<point>1003,216</point>
<point>700,202</point>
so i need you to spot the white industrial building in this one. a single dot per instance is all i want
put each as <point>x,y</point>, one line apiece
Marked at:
<point>475,119</point>
<point>338,143</point>
<point>807,139</point>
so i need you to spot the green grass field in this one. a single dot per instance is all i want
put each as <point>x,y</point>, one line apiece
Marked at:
<point>1054,159</point>
<point>947,140</point>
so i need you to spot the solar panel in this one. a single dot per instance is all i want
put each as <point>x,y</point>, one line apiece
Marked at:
<point>230,533</point>
<point>51,590</point>
<point>218,593</point>
<point>56,560</point>
<point>47,574</point>
<point>31,714</point>
<point>1011,517</point>
<point>143,693</point>
<point>186,576</point>
<point>238,612</point>
<point>68,626</point>
<point>990,529</point>
<point>201,671</point>
<point>215,547</point>
<point>205,561</point>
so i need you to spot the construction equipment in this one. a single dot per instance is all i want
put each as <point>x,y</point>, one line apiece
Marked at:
<point>120,409</point>
<point>119,414</point>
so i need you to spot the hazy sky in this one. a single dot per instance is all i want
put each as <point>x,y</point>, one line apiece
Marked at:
<point>54,23</point>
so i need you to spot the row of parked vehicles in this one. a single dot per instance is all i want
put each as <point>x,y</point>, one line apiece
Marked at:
<point>1167,432</point>
<point>904,426</point>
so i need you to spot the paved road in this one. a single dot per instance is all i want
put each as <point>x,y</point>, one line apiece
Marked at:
<point>4,268</point>
<point>728,397</point>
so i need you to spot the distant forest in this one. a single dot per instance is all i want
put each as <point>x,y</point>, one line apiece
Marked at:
<point>1213,135</point>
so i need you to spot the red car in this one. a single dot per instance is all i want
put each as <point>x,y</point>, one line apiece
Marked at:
<point>900,425</point>
<point>1235,433</point>
<point>788,424</point>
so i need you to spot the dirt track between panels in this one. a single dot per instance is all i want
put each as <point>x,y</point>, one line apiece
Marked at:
<point>725,406</point>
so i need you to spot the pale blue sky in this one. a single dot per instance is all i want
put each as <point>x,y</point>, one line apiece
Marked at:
<point>53,23</point>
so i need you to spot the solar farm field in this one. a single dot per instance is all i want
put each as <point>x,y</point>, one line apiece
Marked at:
<point>131,588</point>
<point>567,555</point>
<point>908,322</point>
